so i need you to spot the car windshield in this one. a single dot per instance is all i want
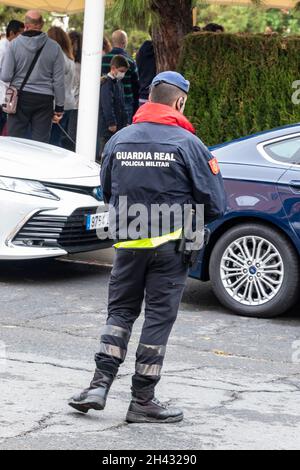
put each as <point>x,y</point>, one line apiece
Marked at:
<point>287,151</point>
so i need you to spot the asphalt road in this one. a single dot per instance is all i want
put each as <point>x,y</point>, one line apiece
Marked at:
<point>237,379</point>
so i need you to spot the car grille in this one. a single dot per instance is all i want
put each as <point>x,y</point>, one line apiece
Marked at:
<point>69,233</point>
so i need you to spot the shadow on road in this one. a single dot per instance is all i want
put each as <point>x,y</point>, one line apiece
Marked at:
<point>200,294</point>
<point>47,271</point>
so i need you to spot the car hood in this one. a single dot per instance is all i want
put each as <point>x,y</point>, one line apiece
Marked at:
<point>26,159</point>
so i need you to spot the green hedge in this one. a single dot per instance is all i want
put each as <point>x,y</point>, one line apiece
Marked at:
<point>241,84</point>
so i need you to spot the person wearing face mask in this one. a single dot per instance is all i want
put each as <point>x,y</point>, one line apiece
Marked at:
<point>157,161</point>
<point>112,110</point>
<point>131,80</point>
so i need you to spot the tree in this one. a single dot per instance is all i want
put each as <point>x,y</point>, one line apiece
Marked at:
<point>170,20</point>
<point>9,13</point>
<point>251,18</point>
<point>175,21</point>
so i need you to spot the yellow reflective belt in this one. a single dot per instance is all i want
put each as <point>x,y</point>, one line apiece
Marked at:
<point>150,242</point>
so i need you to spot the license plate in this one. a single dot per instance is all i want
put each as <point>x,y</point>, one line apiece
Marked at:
<point>97,221</point>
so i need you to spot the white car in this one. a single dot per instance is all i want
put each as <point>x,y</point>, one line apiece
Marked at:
<point>51,202</point>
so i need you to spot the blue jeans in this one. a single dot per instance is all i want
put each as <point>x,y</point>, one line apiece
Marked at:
<point>3,119</point>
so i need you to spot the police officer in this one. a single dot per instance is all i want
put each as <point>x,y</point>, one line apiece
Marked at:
<point>157,160</point>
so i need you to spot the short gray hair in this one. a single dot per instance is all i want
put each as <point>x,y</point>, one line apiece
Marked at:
<point>34,21</point>
<point>167,94</point>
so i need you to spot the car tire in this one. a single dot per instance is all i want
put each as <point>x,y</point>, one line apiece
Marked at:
<point>271,284</point>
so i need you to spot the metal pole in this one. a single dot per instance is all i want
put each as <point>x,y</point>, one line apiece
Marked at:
<point>90,78</point>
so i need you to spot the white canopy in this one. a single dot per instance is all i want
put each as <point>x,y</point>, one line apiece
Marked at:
<point>59,6</point>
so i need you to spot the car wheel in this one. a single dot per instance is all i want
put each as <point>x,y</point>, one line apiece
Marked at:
<point>254,271</point>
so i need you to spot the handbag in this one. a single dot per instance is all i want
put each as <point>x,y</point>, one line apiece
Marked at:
<point>12,93</point>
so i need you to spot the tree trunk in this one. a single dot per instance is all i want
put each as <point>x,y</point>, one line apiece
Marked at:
<point>175,20</point>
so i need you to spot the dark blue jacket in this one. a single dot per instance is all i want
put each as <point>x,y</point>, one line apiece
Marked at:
<point>131,80</point>
<point>160,164</point>
<point>112,110</point>
<point>146,63</point>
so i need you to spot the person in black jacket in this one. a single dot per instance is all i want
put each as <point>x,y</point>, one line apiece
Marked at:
<point>112,111</point>
<point>131,80</point>
<point>146,63</point>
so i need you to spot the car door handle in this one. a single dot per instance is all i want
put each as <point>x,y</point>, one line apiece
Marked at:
<point>295,184</point>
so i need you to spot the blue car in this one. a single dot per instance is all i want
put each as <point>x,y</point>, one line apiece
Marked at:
<point>252,258</point>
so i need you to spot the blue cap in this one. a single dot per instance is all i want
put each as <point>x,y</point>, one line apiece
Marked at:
<point>172,78</point>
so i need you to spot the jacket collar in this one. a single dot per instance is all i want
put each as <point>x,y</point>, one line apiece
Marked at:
<point>118,50</point>
<point>112,77</point>
<point>32,33</point>
<point>162,114</point>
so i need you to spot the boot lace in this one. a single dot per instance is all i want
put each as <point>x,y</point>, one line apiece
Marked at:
<point>160,404</point>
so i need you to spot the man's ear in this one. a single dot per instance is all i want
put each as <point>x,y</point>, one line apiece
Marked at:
<point>180,104</point>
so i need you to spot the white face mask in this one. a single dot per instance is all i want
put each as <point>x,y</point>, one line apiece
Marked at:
<point>120,75</point>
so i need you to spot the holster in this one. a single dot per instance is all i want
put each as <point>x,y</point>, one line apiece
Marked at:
<point>189,257</point>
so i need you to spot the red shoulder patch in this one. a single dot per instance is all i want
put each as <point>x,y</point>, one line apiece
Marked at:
<point>214,166</point>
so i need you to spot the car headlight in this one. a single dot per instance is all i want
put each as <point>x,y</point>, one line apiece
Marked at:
<point>31,188</point>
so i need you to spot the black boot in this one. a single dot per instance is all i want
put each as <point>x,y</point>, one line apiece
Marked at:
<point>94,397</point>
<point>152,411</point>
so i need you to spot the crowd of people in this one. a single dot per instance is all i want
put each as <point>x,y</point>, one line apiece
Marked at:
<point>41,67</point>
<point>48,99</point>
<point>44,68</point>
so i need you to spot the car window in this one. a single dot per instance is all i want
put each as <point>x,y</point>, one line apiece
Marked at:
<point>287,151</point>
